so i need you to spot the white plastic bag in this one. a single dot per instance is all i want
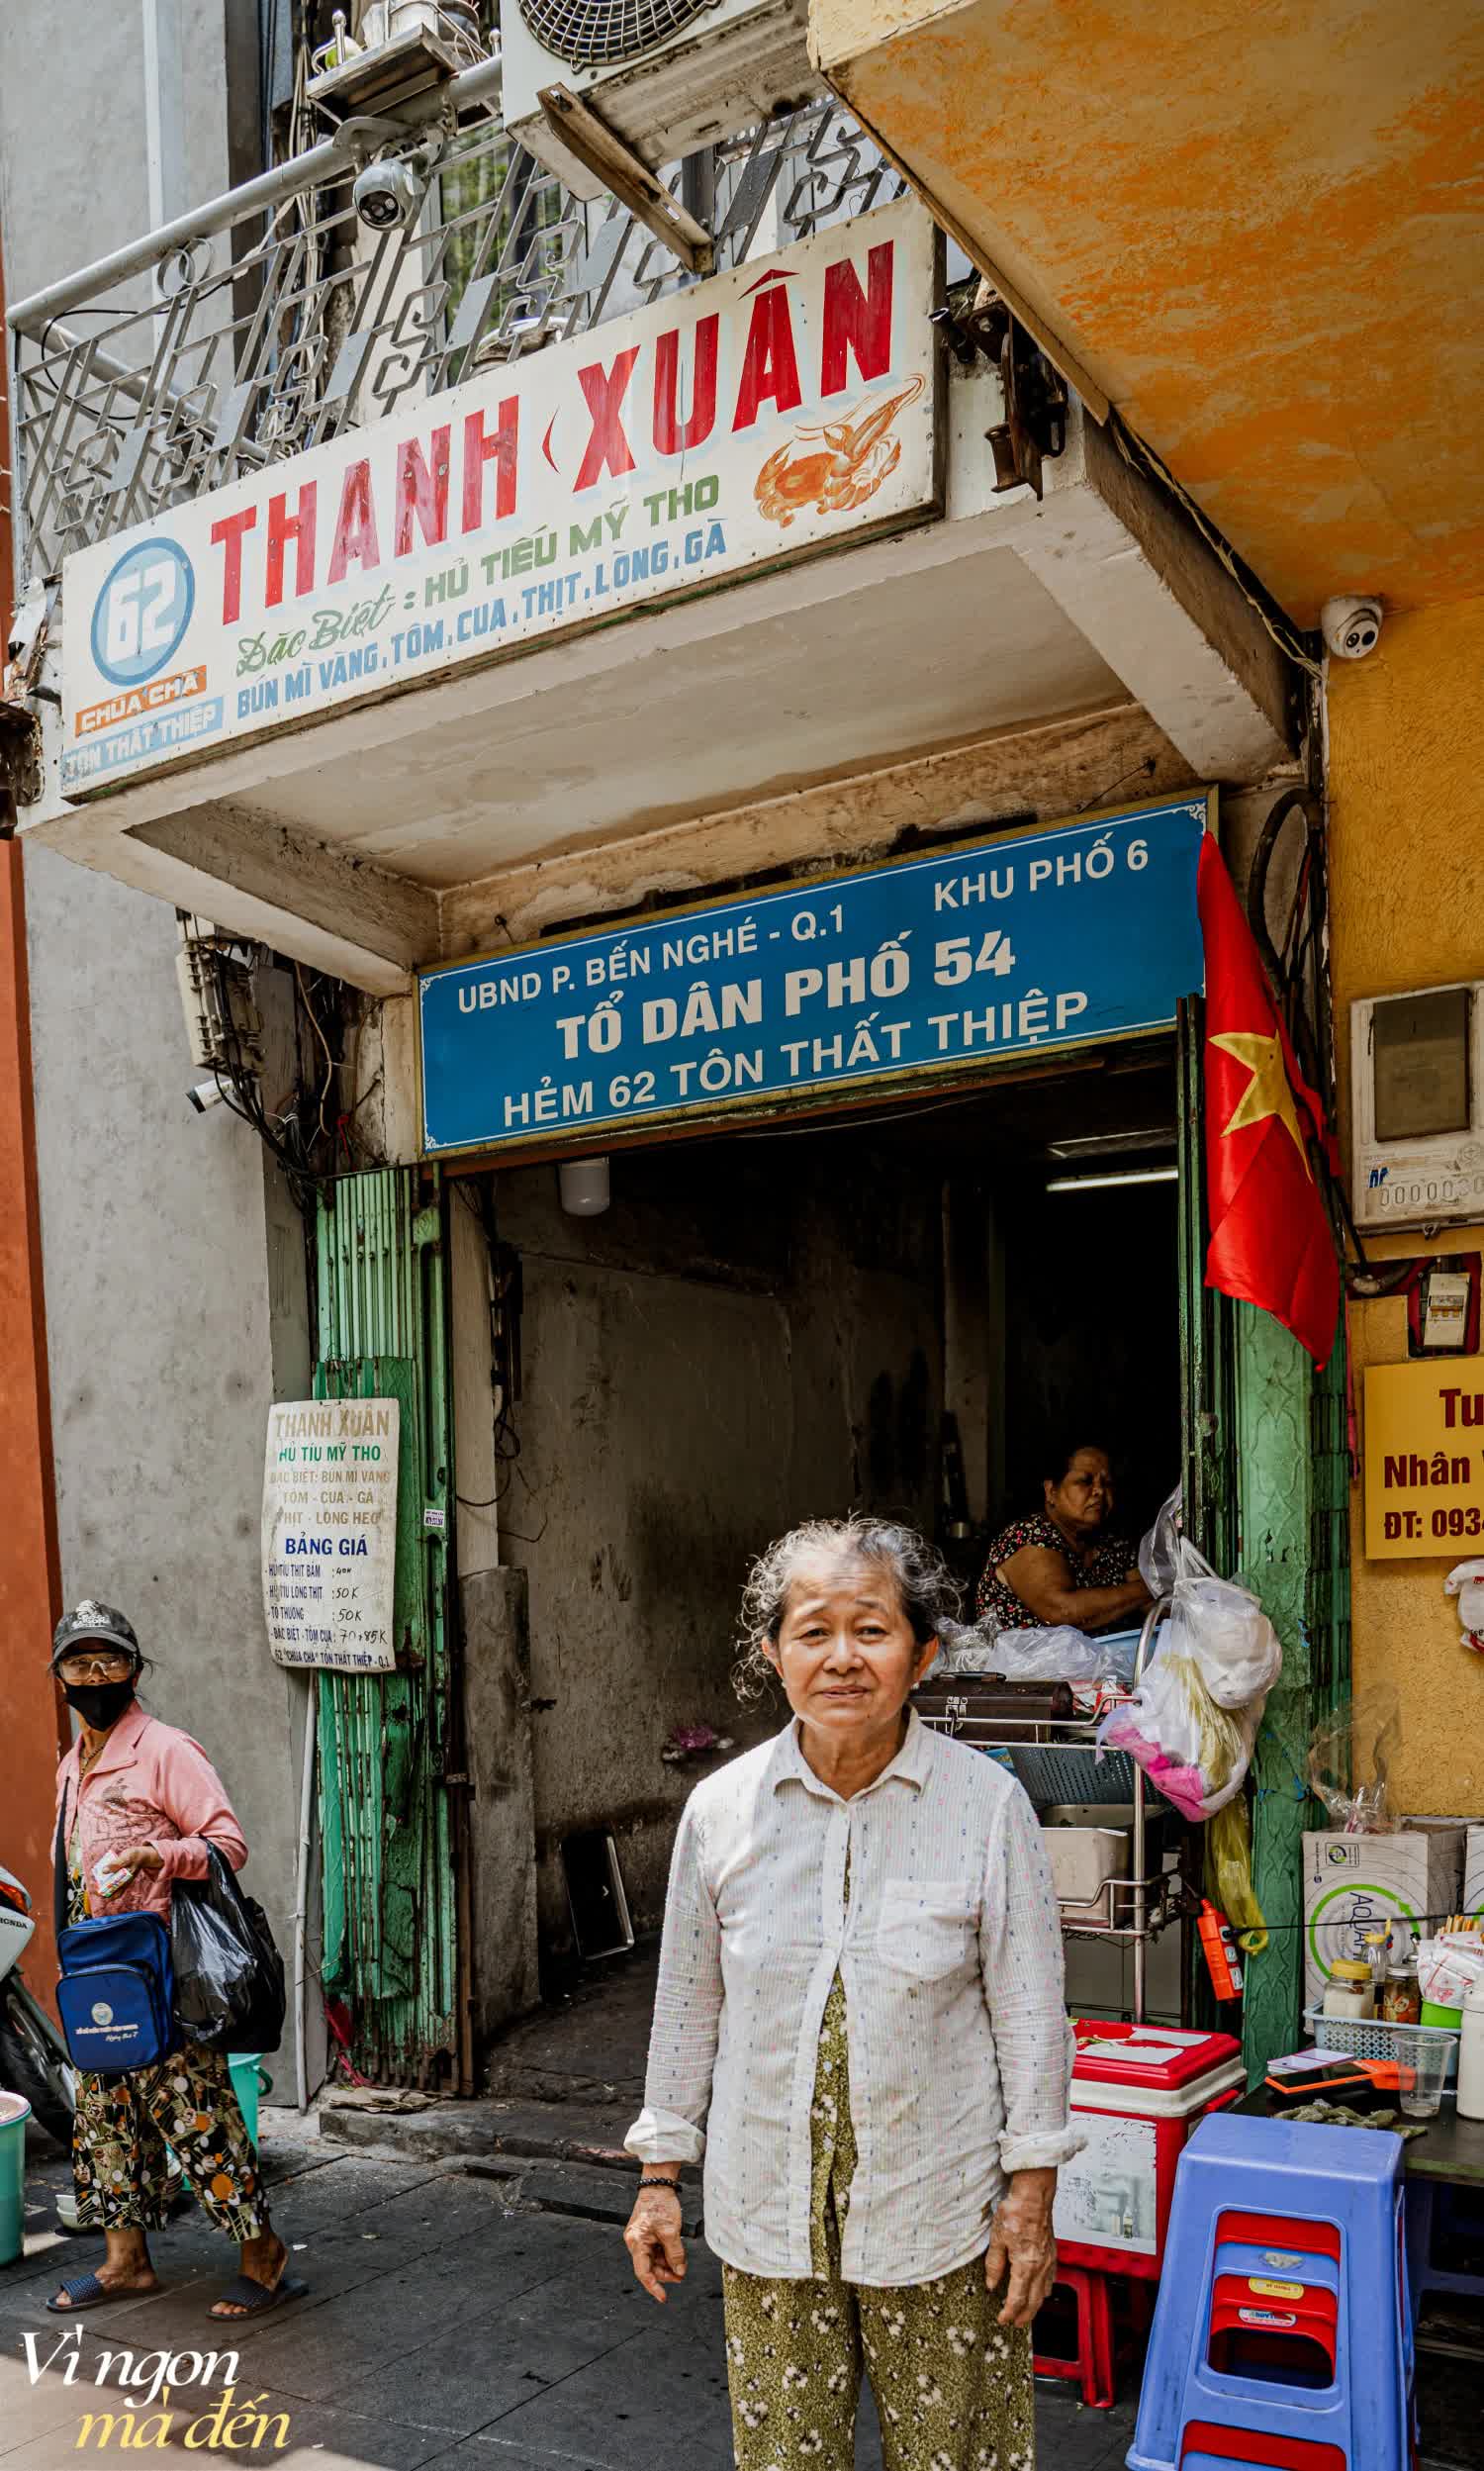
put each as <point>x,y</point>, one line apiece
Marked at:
<point>1159,1545</point>
<point>1196,1751</point>
<point>1224,1631</point>
<point>1449,1968</point>
<point>1057,1655</point>
<point>1194,1718</point>
<point>1467,1582</point>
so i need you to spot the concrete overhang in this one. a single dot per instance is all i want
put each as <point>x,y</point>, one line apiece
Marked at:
<point>1256,233</point>
<point>376,838</point>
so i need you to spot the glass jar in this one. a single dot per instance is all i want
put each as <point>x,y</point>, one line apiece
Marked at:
<point>1350,1991</point>
<point>1401,1999</point>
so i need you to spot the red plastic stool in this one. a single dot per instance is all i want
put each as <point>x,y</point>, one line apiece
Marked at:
<point>1093,2367</point>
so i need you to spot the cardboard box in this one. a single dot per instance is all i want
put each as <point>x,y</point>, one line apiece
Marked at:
<point>1473,1873</point>
<point>1358,1884</point>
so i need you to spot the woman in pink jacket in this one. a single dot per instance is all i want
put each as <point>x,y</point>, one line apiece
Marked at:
<point>136,1804</point>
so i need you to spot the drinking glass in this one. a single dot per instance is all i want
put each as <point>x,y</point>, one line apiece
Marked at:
<point>1421,2061</point>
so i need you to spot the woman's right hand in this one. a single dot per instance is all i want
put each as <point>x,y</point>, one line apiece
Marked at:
<point>653,2241</point>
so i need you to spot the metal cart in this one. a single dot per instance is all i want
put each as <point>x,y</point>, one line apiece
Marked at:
<point>1056,1760</point>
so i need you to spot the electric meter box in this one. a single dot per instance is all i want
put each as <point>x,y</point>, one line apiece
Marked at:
<point>1417,1106</point>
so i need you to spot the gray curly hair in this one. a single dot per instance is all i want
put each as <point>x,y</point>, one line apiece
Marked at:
<point>928,1591</point>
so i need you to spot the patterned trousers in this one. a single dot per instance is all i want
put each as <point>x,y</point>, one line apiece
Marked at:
<point>953,2387</point>
<point>126,2129</point>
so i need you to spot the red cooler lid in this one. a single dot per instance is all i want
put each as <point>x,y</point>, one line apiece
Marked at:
<point>1162,2056</point>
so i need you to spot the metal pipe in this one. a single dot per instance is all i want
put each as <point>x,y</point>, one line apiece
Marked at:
<point>471,89</point>
<point>1151,1619</point>
<point>301,1905</point>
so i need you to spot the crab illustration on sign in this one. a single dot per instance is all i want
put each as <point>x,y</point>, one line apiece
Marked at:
<point>858,454</point>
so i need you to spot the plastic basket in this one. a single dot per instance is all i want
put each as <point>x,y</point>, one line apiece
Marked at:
<point>1070,1771</point>
<point>1370,2037</point>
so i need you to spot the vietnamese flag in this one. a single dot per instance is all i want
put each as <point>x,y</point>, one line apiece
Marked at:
<point>1270,1239</point>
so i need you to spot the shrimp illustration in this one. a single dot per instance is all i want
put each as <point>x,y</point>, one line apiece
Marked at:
<point>858,456</point>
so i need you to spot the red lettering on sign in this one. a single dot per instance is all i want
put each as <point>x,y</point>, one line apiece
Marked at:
<point>422,495</point>
<point>300,529</point>
<point>355,525</point>
<point>672,434</point>
<point>477,450</point>
<point>855,321</point>
<point>604,389</point>
<point>769,364</point>
<point>226,533</point>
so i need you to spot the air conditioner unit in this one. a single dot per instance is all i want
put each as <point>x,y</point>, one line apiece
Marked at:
<point>668,76</point>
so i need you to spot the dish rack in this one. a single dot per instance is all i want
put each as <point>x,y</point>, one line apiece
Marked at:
<point>1371,2038</point>
<point>1056,1760</point>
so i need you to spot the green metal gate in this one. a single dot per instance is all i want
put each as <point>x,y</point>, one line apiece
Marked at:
<point>387,1742</point>
<point>1268,1482</point>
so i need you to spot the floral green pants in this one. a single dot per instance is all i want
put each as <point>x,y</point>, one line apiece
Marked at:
<point>953,2387</point>
<point>126,2127</point>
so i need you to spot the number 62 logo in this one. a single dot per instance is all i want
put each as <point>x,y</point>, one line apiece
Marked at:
<point>143,612</point>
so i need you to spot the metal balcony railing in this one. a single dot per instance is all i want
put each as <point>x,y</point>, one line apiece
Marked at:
<point>275,320</point>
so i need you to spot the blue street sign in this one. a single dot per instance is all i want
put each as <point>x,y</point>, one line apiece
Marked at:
<point>924,966</point>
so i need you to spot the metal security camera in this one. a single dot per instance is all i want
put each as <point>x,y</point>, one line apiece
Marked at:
<point>389,192</point>
<point>204,1093</point>
<point>1351,625</point>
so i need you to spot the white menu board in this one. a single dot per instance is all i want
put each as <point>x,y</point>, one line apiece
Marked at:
<point>329,1533</point>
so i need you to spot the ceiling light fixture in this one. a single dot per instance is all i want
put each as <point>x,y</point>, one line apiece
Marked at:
<point>1125,1175</point>
<point>1105,1143</point>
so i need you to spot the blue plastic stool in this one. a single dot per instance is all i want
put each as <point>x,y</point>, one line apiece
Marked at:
<point>1282,2336</point>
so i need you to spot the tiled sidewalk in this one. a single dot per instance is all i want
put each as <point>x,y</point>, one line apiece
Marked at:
<point>446,2324</point>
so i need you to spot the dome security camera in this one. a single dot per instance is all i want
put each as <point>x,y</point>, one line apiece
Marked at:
<point>1351,624</point>
<point>388,193</point>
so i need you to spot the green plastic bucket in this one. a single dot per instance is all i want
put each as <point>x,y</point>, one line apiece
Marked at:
<point>1431,2015</point>
<point>249,2078</point>
<point>15,2111</point>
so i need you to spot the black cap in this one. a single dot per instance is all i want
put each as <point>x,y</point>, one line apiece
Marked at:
<point>91,1620</point>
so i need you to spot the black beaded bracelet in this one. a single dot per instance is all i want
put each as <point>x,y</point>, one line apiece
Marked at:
<point>672,2184</point>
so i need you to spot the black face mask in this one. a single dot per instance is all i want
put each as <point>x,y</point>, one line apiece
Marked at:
<point>99,1703</point>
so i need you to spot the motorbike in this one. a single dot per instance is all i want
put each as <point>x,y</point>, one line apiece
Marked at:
<point>34,2059</point>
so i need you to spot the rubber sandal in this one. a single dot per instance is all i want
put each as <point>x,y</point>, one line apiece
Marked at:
<point>86,2290</point>
<point>254,2299</point>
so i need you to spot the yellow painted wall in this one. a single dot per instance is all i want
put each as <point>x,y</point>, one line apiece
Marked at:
<point>1407,869</point>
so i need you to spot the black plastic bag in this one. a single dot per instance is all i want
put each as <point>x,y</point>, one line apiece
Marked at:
<point>228,1974</point>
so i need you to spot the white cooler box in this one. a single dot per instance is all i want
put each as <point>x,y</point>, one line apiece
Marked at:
<point>1138,2091</point>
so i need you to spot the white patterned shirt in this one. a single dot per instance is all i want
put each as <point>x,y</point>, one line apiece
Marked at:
<point>950,1949</point>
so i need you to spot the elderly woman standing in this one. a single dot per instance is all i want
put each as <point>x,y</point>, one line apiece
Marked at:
<point>860,2019</point>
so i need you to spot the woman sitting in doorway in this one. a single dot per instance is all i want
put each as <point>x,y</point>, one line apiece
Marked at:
<point>1062,1565</point>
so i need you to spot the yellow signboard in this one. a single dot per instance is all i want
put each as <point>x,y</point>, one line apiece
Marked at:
<point>1424,1457</point>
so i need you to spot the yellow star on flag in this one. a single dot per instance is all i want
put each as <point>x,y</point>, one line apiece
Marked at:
<point>1269,1093</point>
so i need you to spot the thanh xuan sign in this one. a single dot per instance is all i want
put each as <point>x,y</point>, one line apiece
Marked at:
<point>776,408</point>
<point>924,966</point>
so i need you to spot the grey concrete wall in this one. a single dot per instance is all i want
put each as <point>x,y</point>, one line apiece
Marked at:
<point>748,1337</point>
<point>162,1267</point>
<point>174,1266</point>
<point>502,1797</point>
<point>74,183</point>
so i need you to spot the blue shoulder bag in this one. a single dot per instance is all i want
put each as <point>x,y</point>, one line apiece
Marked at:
<point>117,1993</point>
